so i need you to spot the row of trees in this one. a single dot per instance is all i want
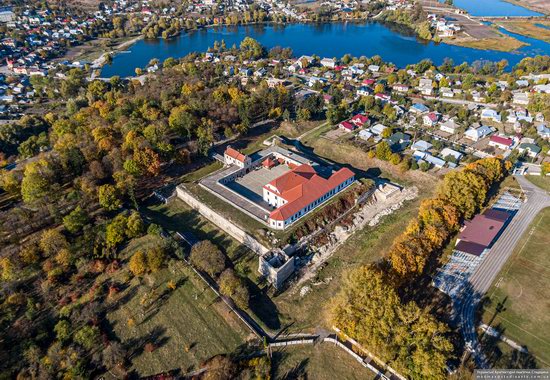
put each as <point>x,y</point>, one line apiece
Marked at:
<point>460,196</point>
<point>208,258</point>
<point>369,307</point>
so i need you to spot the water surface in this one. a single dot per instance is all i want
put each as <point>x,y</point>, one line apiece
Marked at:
<point>493,8</point>
<point>392,42</point>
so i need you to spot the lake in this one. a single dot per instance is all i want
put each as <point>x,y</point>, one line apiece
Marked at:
<point>493,8</point>
<point>392,42</point>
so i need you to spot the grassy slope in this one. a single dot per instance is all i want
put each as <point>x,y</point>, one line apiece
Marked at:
<point>524,289</point>
<point>187,324</point>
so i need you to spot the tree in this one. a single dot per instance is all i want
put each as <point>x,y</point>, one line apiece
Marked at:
<point>76,220</point>
<point>235,287</point>
<point>109,198</point>
<point>465,190</point>
<point>251,49</point>
<point>181,121</point>
<point>8,269</point>
<point>369,310</point>
<point>138,264</point>
<point>155,259</point>
<point>208,258</point>
<point>135,226</point>
<point>37,181</point>
<point>383,151</point>
<point>52,241</point>
<point>62,330</point>
<point>115,232</point>
<point>87,337</point>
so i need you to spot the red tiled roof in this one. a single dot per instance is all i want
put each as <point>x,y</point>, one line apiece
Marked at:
<point>347,125</point>
<point>484,228</point>
<point>359,119</point>
<point>235,154</point>
<point>268,163</point>
<point>502,140</point>
<point>302,186</point>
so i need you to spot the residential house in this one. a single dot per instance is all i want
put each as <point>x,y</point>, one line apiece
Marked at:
<point>359,120</point>
<point>364,134</point>
<point>419,108</point>
<point>501,142</point>
<point>475,134</point>
<point>347,126</point>
<point>403,88</point>
<point>364,91</point>
<point>450,126</point>
<point>530,149</point>
<point>490,114</point>
<point>543,131</point>
<point>399,141</point>
<point>425,86</point>
<point>430,119</point>
<point>446,152</point>
<point>329,62</point>
<point>521,98</point>
<point>378,129</point>
<point>422,146</point>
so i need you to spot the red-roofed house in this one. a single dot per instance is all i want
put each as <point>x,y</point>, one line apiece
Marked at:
<point>301,190</point>
<point>347,126</point>
<point>501,142</point>
<point>359,120</point>
<point>234,157</point>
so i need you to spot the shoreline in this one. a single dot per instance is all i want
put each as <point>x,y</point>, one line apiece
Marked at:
<point>543,11</point>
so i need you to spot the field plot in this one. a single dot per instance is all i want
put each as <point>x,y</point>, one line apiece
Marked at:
<point>168,328</point>
<point>540,181</point>
<point>520,297</point>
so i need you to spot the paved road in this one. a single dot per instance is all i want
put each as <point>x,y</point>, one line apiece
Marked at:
<point>481,280</point>
<point>459,101</point>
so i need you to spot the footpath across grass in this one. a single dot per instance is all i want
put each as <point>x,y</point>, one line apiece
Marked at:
<point>519,298</point>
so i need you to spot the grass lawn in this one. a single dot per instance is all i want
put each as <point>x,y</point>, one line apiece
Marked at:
<point>320,362</point>
<point>186,325</point>
<point>523,288</point>
<point>541,181</point>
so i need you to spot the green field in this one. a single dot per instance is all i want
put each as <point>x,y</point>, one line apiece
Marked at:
<point>540,181</point>
<point>320,362</point>
<point>186,325</point>
<point>523,292</point>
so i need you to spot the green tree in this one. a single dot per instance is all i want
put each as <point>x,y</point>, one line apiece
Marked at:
<point>62,330</point>
<point>235,287</point>
<point>37,181</point>
<point>109,197</point>
<point>87,337</point>
<point>76,220</point>
<point>208,258</point>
